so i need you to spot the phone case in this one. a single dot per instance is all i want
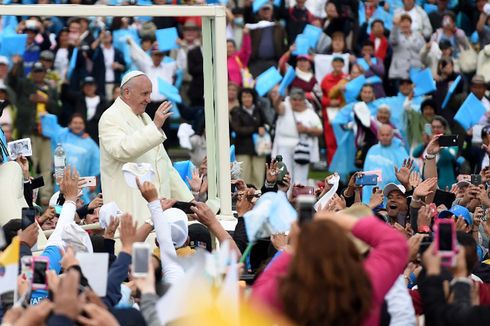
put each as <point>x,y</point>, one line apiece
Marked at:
<point>447,257</point>
<point>39,286</point>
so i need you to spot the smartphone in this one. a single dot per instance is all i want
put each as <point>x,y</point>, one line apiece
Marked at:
<point>184,206</point>
<point>426,241</point>
<point>40,265</point>
<point>89,181</point>
<point>445,237</point>
<point>367,180</point>
<point>140,259</point>
<point>304,206</point>
<point>476,179</point>
<point>428,129</point>
<point>447,141</point>
<point>37,182</point>
<point>28,217</point>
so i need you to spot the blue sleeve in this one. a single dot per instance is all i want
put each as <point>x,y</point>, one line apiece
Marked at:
<point>95,161</point>
<point>117,274</point>
<point>50,127</point>
<point>53,253</point>
<point>179,77</point>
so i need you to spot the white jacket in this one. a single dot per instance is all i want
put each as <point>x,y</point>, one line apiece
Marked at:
<point>126,137</point>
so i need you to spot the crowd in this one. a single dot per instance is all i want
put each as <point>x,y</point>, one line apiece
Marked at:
<point>388,99</point>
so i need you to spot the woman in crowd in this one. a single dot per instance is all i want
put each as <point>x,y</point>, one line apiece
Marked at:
<point>446,158</point>
<point>307,284</point>
<point>297,123</point>
<point>247,122</point>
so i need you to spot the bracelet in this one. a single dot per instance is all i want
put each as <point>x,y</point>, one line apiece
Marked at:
<point>429,156</point>
<point>269,185</point>
<point>418,200</point>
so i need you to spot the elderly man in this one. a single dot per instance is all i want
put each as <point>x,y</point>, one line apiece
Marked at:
<point>127,134</point>
<point>384,156</point>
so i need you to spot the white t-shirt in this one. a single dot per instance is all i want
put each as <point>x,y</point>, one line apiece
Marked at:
<point>91,103</point>
<point>108,61</point>
<point>61,61</point>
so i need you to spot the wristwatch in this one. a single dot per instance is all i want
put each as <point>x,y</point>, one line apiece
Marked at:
<point>429,156</point>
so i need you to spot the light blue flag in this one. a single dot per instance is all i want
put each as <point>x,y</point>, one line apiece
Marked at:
<point>353,87</point>
<point>423,81</point>
<point>470,112</point>
<point>9,24</point>
<point>271,214</point>
<point>72,64</point>
<point>363,63</point>
<point>13,44</point>
<point>430,8</point>
<point>167,38</point>
<point>474,38</point>
<point>267,80</point>
<point>287,80</point>
<point>185,169</point>
<point>120,38</point>
<point>232,154</point>
<point>169,91</point>
<point>413,73</point>
<point>257,4</point>
<point>313,34</point>
<point>450,91</point>
<point>302,45</point>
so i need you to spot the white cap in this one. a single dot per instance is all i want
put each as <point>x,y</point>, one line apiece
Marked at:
<point>77,238</point>
<point>130,75</point>
<point>361,110</point>
<point>54,199</point>
<point>143,171</point>
<point>105,213</point>
<point>178,225</point>
<point>391,187</point>
<point>4,60</point>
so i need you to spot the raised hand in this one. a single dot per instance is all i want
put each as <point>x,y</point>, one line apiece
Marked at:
<point>433,147</point>
<point>162,114</point>
<point>148,190</point>
<point>196,181</point>
<point>376,198</point>
<point>272,172</point>
<point>69,184</point>
<point>425,188</point>
<point>110,231</point>
<point>403,174</point>
<point>128,233</point>
<point>424,216</point>
<point>415,179</point>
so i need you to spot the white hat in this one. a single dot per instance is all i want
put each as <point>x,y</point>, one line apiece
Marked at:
<point>361,110</point>
<point>178,225</point>
<point>391,187</point>
<point>77,238</point>
<point>143,171</point>
<point>105,213</point>
<point>54,199</point>
<point>130,75</point>
<point>4,60</point>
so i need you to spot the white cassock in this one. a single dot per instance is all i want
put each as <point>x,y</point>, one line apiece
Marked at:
<point>126,137</point>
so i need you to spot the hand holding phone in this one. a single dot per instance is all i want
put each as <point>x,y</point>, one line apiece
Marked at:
<point>448,141</point>
<point>304,206</point>
<point>366,180</point>
<point>28,217</point>
<point>40,265</point>
<point>445,237</point>
<point>88,182</point>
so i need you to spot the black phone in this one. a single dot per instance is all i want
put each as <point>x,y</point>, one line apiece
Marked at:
<point>28,217</point>
<point>37,182</point>
<point>185,206</point>
<point>304,207</point>
<point>426,242</point>
<point>447,141</point>
<point>476,179</point>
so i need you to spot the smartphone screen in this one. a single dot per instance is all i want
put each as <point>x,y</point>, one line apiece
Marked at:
<point>445,233</point>
<point>39,275</point>
<point>141,255</point>
<point>28,217</point>
<point>475,179</point>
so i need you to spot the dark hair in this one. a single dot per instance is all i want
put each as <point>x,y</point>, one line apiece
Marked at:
<point>338,59</point>
<point>428,102</point>
<point>406,17</point>
<point>377,21</point>
<point>469,244</point>
<point>443,121</point>
<point>77,115</point>
<point>363,86</point>
<point>231,41</point>
<point>314,292</point>
<point>443,63</point>
<point>247,90</point>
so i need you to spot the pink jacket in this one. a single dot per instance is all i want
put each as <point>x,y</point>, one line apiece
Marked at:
<point>239,60</point>
<point>384,264</point>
